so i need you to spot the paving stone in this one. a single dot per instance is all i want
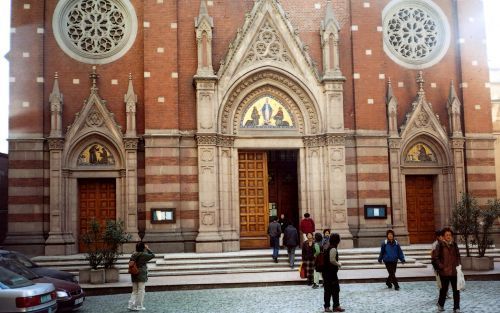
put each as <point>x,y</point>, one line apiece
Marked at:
<point>414,297</point>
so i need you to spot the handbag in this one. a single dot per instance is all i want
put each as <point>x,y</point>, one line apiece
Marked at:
<point>302,271</point>
<point>460,278</point>
<point>132,267</point>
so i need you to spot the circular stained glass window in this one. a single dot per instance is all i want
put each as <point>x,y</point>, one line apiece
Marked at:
<point>95,31</point>
<point>416,33</point>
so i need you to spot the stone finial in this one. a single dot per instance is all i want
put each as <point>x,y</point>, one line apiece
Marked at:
<point>55,95</point>
<point>94,77</point>
<point>420,82</point>
<point>452,93</point>
<point>390,92</point>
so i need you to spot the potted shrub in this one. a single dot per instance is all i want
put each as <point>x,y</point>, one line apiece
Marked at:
<point>482,239</point>
<point>464,222</point>
<point>114,236</point>
<point>92,241</point>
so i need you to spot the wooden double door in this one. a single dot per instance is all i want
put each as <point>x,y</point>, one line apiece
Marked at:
<point>420,208</point>
<point>265,177</point>
<point>97,200</point>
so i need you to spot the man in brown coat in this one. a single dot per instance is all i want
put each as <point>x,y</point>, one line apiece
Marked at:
<point>446,258</point>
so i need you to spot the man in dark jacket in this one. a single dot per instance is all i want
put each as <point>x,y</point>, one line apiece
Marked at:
<point>446,257</point>
<point>291,241</point>
<point>274,231</point>
<point>390,252</point>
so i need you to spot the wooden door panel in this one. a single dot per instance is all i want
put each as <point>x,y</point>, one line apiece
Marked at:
<point>97,199</point>
<point>420,208</point>
<point>253,193</point>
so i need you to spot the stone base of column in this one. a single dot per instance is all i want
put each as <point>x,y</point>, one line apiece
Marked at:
<point>372,236</point>
<point>166,242</point>
<point>346,240</point>
<point>60,244</point>
<point>209,241</point>
<point>402,234</point>
<point>27,243</point>
<point>230,240</point>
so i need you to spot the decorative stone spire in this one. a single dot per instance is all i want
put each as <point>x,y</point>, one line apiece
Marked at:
<point>130,99</point>
<point>56,102</point>
<point>392,111</point>
<point>94,77</point>
<point>330,44</point>
<point>203,28</point>
<point>454,112</point>
<point>420,82</point>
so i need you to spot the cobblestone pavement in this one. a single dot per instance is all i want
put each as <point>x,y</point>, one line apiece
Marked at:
<point>414,297</point>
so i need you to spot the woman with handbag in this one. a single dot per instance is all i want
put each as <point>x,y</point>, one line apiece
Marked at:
<point>308,257</point>
<point>140,257</point>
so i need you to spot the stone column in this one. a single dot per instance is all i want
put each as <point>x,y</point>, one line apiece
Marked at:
<point>208,239</point>
<point>60,240</point>
<point>130,206</point>
<point>336,208</point>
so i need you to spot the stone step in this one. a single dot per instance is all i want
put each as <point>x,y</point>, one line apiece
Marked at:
<point>246,261</point>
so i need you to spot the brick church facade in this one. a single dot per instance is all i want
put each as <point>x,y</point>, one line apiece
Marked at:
<point>194,121</point>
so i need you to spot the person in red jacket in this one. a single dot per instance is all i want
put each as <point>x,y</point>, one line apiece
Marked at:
<point>307,225</point>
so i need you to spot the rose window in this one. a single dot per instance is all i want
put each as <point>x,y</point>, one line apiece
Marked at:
<point>416,33</point>
<point>95,31</point>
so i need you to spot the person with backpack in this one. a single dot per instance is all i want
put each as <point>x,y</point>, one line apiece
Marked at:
<point>318,260</point>
<point>291,241</point>
<point>446,258</point>
<point>139,258</point>
<point>330,277</point>
<point>390,253</point>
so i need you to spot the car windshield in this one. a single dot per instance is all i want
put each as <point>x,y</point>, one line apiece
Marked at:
<point>10,280</point>
<point>18,268</point>
<point>24,260</point>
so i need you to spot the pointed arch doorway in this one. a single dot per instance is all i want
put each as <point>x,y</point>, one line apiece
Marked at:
<point>268,186</point>
<point>420,208</point>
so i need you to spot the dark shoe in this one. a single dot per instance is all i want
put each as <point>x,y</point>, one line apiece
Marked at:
<point>440,308</point>
<point>309,283</point>
<point>457,311</point>
<point>328,310</point>
<point>389,285</point>
<point>396,288</point>
<point>338,309</point>
<point>276,260</point>
<point>315,286</point>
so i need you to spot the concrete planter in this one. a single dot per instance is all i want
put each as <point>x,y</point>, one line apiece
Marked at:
<point>466,262</point>
<point>97,276</point>
<point>84,276</point>
<point>112,275</point>
<point>482,264</point>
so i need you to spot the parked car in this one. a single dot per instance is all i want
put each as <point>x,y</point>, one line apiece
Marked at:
<point>70,296</point>
<point>40,270</point>
<point>18,294</point>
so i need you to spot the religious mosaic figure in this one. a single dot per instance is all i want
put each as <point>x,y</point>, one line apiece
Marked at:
<point>267,112</point>
<point>95,154</point>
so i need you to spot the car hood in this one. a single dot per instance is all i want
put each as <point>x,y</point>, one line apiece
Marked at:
<point>58,283</point>
<point>50,272</point>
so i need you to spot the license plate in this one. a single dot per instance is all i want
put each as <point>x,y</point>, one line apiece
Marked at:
<point>78,301</point>
<point>45,298</point>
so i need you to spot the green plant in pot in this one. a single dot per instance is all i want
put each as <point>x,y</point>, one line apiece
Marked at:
<point>114,236</point>
<point>464,219</point>
<point>92,243</point>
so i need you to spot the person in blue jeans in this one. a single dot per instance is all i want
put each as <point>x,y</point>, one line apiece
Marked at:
<point>390,253</point>
<point>274,231</point>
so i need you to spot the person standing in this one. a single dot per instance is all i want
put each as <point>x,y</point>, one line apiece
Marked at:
<point>283,224</point>
<point>307,225</point>
<point>318,248</point>
<point>291,241</point>
<point>390,252</point>
<point>274,231</point>
<point>446,258</point>
<point>326,239</point>
<point>308,257</point>
<point>141,256</point>
<point>330,277</point>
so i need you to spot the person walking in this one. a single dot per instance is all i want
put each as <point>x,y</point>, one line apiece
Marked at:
<point>291,241</point>
<point>330,277</point>
<point>318,248</point>
<point>326,239</point>
<point>308,257</point>
<point>141,256</point>
<point>274,231</point>
<point>283,224</point>
<point>446,258</point>
<point>390,252</point>
<point>307,225</point>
